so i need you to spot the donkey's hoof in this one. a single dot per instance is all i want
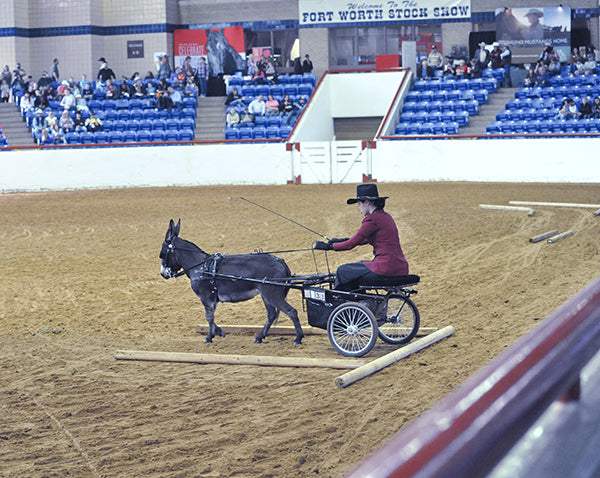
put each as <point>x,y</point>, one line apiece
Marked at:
<point>257,340</point>
<point>298,342</point>
<point>208,340</point>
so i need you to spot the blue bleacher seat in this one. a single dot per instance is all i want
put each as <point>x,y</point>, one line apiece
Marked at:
<point>186,123</point>
<point>557,126</point>
<point>123,115</point>
<point>273,121</point>
<point>284,79</point>
<point>171,135</point>
<point>162,114</point>
<point>144,136</point>
<point>172,123</point>
<point>412,129</point>
<point>95,105</point>
<point>109,105</point>
<point>438,128</point>
<point>461,117</point>
<point>148,103</point>
<point>115,137</point>
<point>119,125</point>
<point>296,79</point>
<point>133,125</point>
<point>158,125</point>
<point>532,127</point>
<point>158,135</point>
<point>188,113</point>
<point>493,127</point>
<point>309,78</point>
<point>136,104</point>
<point>144,125</point>
<point>425,128</point>
<point>122,104</point>
<point>129,136</point>
<point>260,120</point>
<point>232,133</point>
<point>150,114</point>
<point>110,115</point>
<point>262,90</point>
<point>245,133</point>
<point>276,90</point>
<point>259,132</point>
<point>284,131</point>
<point>73,138</point>
<point>189,102</point>
<point>448,116</point>
<point>290,89</point>
<point>272,132</point>
<point>305,89</point>
<point>136,114</point>
<point>186,135</point>
<point>506,127</point>
<point>248,90</point>
<point>401,129</point>
<point>409,106</point>
<point>101,137</point>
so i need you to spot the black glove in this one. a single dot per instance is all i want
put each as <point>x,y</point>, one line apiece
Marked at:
<point>335,239</point>
<point>323,246</point>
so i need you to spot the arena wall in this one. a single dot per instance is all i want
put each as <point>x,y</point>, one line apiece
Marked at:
<point>539,160</point>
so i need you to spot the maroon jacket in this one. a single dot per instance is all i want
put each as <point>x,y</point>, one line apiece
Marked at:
<point>379,230</point>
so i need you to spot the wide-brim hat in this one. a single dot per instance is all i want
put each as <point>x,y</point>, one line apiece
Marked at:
<point>365,192</point>
<point>102,59</point>
<point>534,12</point>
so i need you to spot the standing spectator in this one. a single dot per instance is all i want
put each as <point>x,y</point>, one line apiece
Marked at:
<point>257,106</point>
<point>164,70</point>
<point>4,91</point>
<point>54,74</point>
<point>435,58</point>
<point>6,74</point>
<point>297,66</point>
<point>482,57</point>
<point>202,77</point>
<point>495,60</point>
<point>250,65</point>
<point>186,67</point>
<point>307,66</point>
<point>506,57</point>
<point>105,73</point>
<point>20,70</point>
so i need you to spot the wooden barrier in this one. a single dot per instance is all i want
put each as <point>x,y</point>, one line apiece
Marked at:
<point>265,361</point>
<point>541,237</point>
<point>554,204</point>
<point>558,237</point>
<point>376,365</point>
<point>285,330</point>
<point>495,207</point>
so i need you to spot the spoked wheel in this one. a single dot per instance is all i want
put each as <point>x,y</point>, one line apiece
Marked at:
<point>352,329</point>
<point>402,320</point>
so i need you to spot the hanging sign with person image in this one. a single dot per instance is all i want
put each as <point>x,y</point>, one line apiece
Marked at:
<point>533,26</point>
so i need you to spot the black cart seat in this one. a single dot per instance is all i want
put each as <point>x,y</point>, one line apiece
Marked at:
<point>390,281</point>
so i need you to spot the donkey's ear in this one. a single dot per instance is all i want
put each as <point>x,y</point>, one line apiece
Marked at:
<point>177,227</point>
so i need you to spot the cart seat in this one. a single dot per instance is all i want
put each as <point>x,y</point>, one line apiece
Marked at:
<point>390,281</point>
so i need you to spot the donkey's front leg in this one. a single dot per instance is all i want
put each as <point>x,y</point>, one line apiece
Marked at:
<point>210,318</point>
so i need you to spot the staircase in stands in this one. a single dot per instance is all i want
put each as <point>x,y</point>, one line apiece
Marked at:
<point>210,118</point>
<point>15,129</point>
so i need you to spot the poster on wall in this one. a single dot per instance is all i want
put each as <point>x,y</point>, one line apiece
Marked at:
<point>534,27</point>
<point>222,48</point>
<point>317,12</point>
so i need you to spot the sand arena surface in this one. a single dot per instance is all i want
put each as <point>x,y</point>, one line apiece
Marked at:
<point>80,280</point>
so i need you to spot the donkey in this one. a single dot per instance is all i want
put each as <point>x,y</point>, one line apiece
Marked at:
<point>225,278</point>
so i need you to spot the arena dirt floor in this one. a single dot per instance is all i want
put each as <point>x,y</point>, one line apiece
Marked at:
<point>80,280</point>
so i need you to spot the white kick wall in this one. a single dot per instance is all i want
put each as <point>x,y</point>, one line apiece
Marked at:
<point>504,160</point>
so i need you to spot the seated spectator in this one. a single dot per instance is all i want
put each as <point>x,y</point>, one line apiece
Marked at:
<point>234,98</point>
<point>139,90</point>
<point>79,123</point>
<point>151,89</point>
<point>596,107</point>
<point>50,120</point>
<point>165,102</point>
<point>87,92</point>
<point>575,58</point>
<point>176,97</point>
<point>68,101</point>
<point>44,80</point>
<point>554,67</point>
<point>542,78</point>
<point>38,123</point>
<point>462,69</point>
<point>285,106</point>
<point>190,88</point>
<point>298,108</point>
<point>590,63</point>
<point>585,108</point>
<point>83,82</point>
<point>66,122</point>
<point>81,104</point>
<point>149,76</point>
<point>62,89</point>
<point>232,117</point>
<point>177,74</point>
<point>435,58</point>
<point>111,92</point>
<point>424,71</point>
<point>45,138</point>
<point>568,110</point>
<point>246,116</point>
<point>271,106</point>
<point>93,124</point>
<point>124,91</point>
<point>41,101</point>
<point>548,53</point>
<point>57,134</point>
<point>257,106</point>
<point>448,69</point>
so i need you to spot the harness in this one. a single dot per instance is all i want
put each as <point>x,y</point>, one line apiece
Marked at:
<point>208,270</point>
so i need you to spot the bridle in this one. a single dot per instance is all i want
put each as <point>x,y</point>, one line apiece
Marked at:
<point>170,249</point>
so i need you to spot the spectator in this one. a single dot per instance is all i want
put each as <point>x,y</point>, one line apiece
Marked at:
<point>234,98</point>
<point>4,91</point>
<point>424,71</point>
<point>83,82</point>
<point>529,79</point>
<point>246,116</point>
<point>151,89</point>
<point>297,66</point>
<point>250,65</point>
<point>547,54</point>
<point>26,102</point>
<point>186,67</point>
<point>81,104</point>
<point>596,108</point>
<point>87,92</point>
<point>79,123</point>
<point>307,66</point>
<point>139,90</point>
<point>568,110</point>
<point>68,101</point>
<point>105,73</point>
<point>202,77</point>
<point>61,89</point>
<point>590,63</point>
<point>164,69</point>
<point>297,109</point>
<point>482,57</point>
<point>506,58</point>
<point>542,78</point>
<point>575,58</point>
<point>20,70</point>
<point>233,117</point>
<point>271,106</point>
<point>176,97</point>
<point>149,76</point>
<point>50,120</point>
<point>54,74</point>
<point>285,106</point>
<point>41,101</point>
<point>93,124</point>
<point>57,134</point>
<point>190,88</point>
<point>462,69</point>
<point>165,102</point>
<point>111,92</point>
<point>177,74</point>
<point>6,74</point>
<point>448,69</point>
<point>435,58</point>
<point>17,85</point>
<point>124,90</point>
<point>585,108</point>
<point>65,121</point>
<point>44,137</point>
<point>257,106</point>
<point>495,59</point>
<point>554,67</point>
<point>44,80</point>
<point>38,123</point>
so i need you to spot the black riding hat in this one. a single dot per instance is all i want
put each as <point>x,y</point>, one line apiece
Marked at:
<point>366,192</point>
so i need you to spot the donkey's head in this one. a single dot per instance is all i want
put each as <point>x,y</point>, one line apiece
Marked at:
<point>170,265</point>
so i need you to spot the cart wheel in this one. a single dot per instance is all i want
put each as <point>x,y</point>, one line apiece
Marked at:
<point>352,329</point>
<point>402,320</point>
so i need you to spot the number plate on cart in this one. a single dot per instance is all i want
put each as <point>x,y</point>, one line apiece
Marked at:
<point>314,294</point>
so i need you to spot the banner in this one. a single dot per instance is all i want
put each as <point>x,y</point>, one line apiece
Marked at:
<point>222,48</point>
<point>319,12</point>
<point>534,27</point>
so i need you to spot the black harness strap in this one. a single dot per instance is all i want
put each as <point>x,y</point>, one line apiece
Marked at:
<point>209,270</point>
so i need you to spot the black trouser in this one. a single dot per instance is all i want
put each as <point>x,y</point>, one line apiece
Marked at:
<point>349,276</point>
